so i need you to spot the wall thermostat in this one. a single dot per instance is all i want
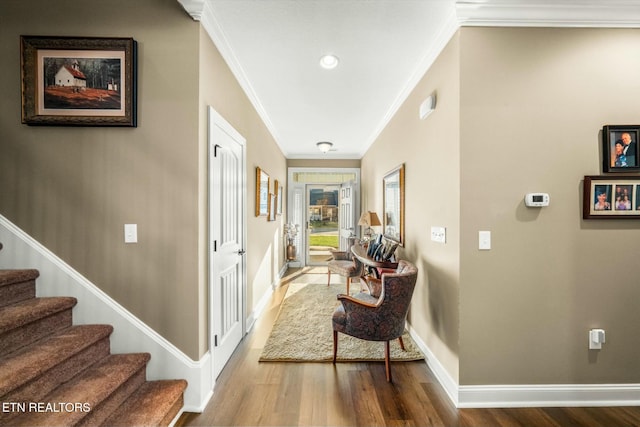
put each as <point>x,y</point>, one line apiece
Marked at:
<point>536,200</point>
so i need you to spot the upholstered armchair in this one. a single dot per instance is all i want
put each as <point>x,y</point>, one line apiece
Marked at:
<point>377,316</point>
<point>344,264</point>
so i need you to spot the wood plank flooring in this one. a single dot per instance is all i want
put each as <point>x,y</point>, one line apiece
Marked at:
<point>252,393</point>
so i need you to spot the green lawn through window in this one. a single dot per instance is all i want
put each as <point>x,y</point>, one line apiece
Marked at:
<point>323,240</point>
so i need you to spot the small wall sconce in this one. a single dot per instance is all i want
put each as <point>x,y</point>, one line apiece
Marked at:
<point>427,106</point>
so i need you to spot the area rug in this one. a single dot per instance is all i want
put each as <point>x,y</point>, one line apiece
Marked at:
<point>303,331</point>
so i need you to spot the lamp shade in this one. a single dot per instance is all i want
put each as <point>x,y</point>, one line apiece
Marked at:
<point>369,219</point>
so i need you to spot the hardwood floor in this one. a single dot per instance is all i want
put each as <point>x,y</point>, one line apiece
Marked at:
<point>252,393</point>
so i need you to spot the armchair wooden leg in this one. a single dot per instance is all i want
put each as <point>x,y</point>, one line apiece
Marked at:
<point>348,283</point>
<point>387,364</point>
<point>335,345</point>
<point>401,344</point>
<point>328,277</point>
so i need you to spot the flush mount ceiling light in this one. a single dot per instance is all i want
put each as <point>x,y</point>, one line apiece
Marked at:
<point>324,146</point>
<point>329,61</point>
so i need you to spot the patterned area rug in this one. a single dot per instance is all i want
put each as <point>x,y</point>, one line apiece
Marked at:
<point>303,332</point>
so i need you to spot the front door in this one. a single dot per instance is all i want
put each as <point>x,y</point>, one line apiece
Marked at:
<point>227,268</point>
<point>322,223</point>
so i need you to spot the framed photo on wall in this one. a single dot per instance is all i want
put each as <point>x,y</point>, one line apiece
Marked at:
<point>620,148</point>
<point>78,81</point>
<point>262,192</point>
<point>393,205</point>
<point>611,197</point>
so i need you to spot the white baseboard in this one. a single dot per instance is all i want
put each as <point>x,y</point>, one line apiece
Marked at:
<point>527,395</point>
<point>264,301</point>
<point>449,385</point>
<point>551,395</point>
<point>130,334</point>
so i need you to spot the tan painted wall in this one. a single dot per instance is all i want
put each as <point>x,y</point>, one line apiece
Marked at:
<point>73,189</point>
<point>431,153</point>
<point>533,104</point>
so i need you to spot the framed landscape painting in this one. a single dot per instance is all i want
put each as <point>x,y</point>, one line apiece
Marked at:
<point>77,81</point>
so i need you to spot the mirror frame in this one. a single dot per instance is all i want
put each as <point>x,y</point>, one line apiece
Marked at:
<point>393,205</point>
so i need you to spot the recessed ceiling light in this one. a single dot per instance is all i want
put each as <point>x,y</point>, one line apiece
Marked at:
<point>329,61</point>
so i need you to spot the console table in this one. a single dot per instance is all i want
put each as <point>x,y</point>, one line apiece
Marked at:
<point>360,252</point>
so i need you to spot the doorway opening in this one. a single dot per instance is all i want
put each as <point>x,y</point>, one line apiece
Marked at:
<point>322,217</point>
<point>323,204</point>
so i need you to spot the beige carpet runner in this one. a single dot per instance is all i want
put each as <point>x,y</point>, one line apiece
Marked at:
<point>303,332</point>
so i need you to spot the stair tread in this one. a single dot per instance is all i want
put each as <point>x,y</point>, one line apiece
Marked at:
<point>88,390</point>
<point>25,364</point>
<point>150,404</point>
<point>24,312</point>
<point>8,277</point>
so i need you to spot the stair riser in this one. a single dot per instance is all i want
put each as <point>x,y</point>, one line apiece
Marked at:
<point>16,292</point>
<point>173,412</point>
<point>102,411</point>
<point>36,390</point>
<point>17,338</point>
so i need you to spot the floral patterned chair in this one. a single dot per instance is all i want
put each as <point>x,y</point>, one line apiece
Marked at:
<point>344,264</point>
<point>379,315</point>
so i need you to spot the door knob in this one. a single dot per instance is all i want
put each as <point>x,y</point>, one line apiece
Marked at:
<point>241,252</point>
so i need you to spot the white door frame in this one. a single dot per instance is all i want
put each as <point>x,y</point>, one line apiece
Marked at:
<point>215,119</point>
<point>297,205</point>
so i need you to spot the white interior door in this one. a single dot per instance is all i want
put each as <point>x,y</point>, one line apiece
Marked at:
<point>227,219</point>
<point>348,212</point>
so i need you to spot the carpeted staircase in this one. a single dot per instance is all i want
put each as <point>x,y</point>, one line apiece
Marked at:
<point>53,373</point>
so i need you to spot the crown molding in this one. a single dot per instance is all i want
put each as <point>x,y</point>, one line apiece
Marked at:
<point>194,8</point>
<point>200,10</point>
<point>547,13</point>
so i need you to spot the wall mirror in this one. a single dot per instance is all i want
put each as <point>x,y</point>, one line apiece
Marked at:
<point>262,192</point>
<point>393,202</point>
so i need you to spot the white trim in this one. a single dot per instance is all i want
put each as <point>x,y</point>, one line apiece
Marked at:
<point>447,31</point>
<point>541,13</point>
<point>527,395</point>
<point>259,308</point>
<point>130,334</point>
<point>219,39</point>
<point>449,385</point>
<point>266,298</point>
<point>507,396</point>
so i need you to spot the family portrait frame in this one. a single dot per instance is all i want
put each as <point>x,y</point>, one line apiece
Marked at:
<point>78,81</point>
<point>620,148</point>
<point>611,197</point>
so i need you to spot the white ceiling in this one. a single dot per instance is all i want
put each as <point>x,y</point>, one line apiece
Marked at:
<point>273,47</point>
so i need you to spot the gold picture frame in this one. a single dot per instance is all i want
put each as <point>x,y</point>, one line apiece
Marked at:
<point>262,192</point>
<point>393,205</point>
<point>78,81</point>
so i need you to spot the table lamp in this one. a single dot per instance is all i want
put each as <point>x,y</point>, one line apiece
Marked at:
<point>369,219</point>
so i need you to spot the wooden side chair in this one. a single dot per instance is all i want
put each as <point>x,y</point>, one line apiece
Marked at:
<point>344,264</point>
<point>377,319</point>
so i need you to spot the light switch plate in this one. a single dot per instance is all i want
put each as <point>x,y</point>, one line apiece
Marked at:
<point>131,233</point>
<point>484,240</point>
<point>439,234</point>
